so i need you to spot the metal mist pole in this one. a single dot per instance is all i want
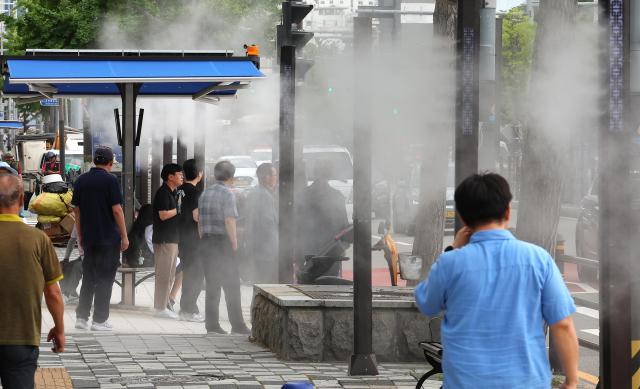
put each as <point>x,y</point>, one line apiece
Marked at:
<point>363,360</point>
<point>286,230</point>
<point>616,224</point>
<point>467,91</point>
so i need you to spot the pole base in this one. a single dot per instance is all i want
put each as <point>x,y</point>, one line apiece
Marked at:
<point>363,364</point>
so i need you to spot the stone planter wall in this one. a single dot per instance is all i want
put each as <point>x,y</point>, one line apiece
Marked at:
<point>297,327</point>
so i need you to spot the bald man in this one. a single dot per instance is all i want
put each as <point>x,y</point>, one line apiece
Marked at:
<point>29,267</point>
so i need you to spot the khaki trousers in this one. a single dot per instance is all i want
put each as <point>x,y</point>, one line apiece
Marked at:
<point>165,256</point>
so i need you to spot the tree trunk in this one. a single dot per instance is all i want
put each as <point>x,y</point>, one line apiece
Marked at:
<point>543,154</point>
<point>429,231</point>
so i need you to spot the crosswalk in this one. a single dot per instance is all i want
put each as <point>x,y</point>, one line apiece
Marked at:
<point>587,316</point>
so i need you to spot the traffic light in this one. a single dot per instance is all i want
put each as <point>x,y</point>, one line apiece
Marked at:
<point>291,32</point>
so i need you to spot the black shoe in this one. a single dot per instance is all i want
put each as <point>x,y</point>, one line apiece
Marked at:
<point>217,330</point>
<point>244,330</point>
<point>170,305</point>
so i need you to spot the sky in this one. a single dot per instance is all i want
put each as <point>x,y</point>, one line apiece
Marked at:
<point>504,5</point>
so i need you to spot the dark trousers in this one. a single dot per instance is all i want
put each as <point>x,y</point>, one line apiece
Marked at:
<point>192,277</point>
<point>18,366</point>
<point>99,267</point>
<point>221,272</point>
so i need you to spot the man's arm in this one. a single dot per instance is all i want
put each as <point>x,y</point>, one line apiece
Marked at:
<point>76,214</point>
<point>565,341</point>
<point>230,226</point>
<point>118,215</point>
<point>164,215</point>
<point>53,299</point>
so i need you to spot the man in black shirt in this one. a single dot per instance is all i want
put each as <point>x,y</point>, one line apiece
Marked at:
<point>189,247</point>
<point>102,233</point>
<point>322,214</point>
<point>166,208</point>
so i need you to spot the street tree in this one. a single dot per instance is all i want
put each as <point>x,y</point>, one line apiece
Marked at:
<point>429,231</point>
<point>518,35</point>
<point>550,117</point>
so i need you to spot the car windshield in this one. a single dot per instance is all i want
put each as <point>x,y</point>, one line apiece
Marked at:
<point>341,166</point>
<point>243,163</point>
<point>261,155</point>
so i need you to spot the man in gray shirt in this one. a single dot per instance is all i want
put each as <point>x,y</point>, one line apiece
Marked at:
<point>217,225</point>
<point>262,227</point>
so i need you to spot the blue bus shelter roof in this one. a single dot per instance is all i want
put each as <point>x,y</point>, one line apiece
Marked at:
<point>11,124</point>
<point>198,77</point>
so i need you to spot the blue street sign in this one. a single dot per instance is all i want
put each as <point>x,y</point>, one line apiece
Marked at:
<point>49,102</point>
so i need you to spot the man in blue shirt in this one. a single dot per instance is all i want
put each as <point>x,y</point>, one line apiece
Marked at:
<point>496,293</point>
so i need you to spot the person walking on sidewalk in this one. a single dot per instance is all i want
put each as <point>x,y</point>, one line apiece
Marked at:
<point>102,234</point>
<point>217,223</point>
<point>189,247</point>
<point>166,208</point>
<point>496,293</point>
<point>29,266</point>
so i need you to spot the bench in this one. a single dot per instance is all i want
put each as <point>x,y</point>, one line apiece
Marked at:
<point>433,353</point>
<point>129,282</point>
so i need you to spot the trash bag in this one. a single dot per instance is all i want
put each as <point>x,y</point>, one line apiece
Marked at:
<point>55,187</point>
<point>44,219</point>
<point>72,272</point>
<point>52,204</point>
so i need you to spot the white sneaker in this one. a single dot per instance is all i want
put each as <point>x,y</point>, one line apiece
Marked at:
<point>105,326</point>
<point>82,324</point>
<point>165,313</point>
<point>194,317</point>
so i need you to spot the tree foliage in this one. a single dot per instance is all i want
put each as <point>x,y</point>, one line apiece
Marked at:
<point>54,24</point>
<point>518,36</point>
<point>61,24</point>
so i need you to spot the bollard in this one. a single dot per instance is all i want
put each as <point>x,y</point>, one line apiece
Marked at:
<point>298,385</point>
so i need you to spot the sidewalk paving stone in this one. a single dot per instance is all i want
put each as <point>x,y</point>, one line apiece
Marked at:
<point>136,368</point>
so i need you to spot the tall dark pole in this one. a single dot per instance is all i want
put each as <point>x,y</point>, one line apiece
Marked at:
<point>87,139</point>
<point>167,150</point>
<point>616,222</point>
<point>129,94</point>
<point>182,148</point>
<point>363,360</point>
<point>467,92</point>
<point>143,190</point>
<point>199,150</point>
<point>286,191</point>
<point>156,162</point>
<point>61,137</point>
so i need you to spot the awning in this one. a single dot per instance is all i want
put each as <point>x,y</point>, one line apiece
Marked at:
<point>207,78</point>
<point>11,124</point>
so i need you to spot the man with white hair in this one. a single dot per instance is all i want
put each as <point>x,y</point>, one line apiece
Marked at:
<point>29,266</point>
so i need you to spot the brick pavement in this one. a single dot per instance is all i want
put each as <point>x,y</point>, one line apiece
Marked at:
<point>202,361</point>
<point>52,378</point>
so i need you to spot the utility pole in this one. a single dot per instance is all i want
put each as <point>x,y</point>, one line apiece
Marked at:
<point>61,139</point>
